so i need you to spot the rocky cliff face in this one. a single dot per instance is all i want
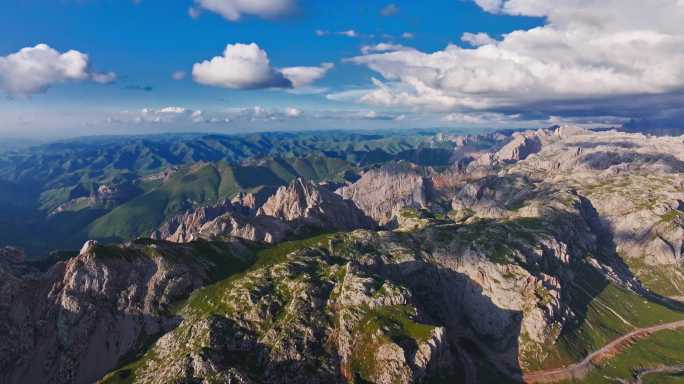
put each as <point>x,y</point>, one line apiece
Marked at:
<point>385,307</point>
<point>382,192</point>
<point>186,227</point>
<point>306,202</point>
<point>300,206</point>
<point>520,147</point>
<point>635,183</point>
<point>322,313</point>
<point>78,320</point>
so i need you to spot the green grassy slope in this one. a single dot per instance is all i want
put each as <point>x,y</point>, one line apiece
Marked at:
<point>664,348</point>
<point>206,184</point>
<point>606,312</point>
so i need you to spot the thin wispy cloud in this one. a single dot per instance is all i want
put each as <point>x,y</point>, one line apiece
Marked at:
<point>178,75</point>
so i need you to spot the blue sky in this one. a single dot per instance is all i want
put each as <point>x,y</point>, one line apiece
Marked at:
<point>138,45</point>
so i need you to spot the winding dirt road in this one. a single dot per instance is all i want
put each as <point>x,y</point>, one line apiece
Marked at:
<point>580,370</point>
<point>676,369</point>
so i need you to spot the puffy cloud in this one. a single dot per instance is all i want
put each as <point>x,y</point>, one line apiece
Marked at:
<point>293,112</point>
<point>103,77</point>
<point>178,75</point>
<point>34,69</point>
<point>176,110</point>
<point>351,115</point>
<point>303,76</point>
<point>585,50</point>
<point>246,66</point>
<point>177,116</point>
<point>389,10</point>
<point>372,115</point>
<point>477,39</point>
<point>233,10</point>
<point>489,5</point>
<point>259,113</point>
<point>242,66</point>
<point>166,115</point>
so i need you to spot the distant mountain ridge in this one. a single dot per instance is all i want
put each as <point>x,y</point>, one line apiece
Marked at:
<point>118,188</point>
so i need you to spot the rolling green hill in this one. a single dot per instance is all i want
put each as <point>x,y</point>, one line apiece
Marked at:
<point>49,193</point>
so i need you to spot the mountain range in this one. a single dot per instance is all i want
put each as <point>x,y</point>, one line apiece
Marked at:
<point>551,255</point>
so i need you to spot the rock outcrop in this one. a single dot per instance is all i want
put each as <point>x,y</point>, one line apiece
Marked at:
<point>105,196</point>
<point>77,321</point>
<point>299,207</point>
<point>635,182</point>
<point>322,314</point>
<point>234,215</point>
<point>382,192</point>
<point>304,201</point>
<point>521,147</point>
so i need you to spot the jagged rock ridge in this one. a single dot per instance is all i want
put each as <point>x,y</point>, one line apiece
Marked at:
<point>77,321</point>
<point>300,206</point>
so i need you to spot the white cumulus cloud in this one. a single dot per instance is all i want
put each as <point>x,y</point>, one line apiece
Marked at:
<point>293,112</point>
<point>477,39</point>
<point>33,70</point>
<point>489,5</point>
<point>176,110</point>
<point>303,76</point>
<point>585,49</point>
<point>242,66</point>
<point>103,77</point>
<point>233,10</point>
<point>246,66</point>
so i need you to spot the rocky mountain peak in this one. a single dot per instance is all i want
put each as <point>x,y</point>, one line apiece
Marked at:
<point>88,247</point>
<point>305,201</point>
<point>246,201</point>
<point>381,192</point>
<point>293,208</point>
<point>182,228</point>
<point>293,201</point>
<point>521,147</point>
